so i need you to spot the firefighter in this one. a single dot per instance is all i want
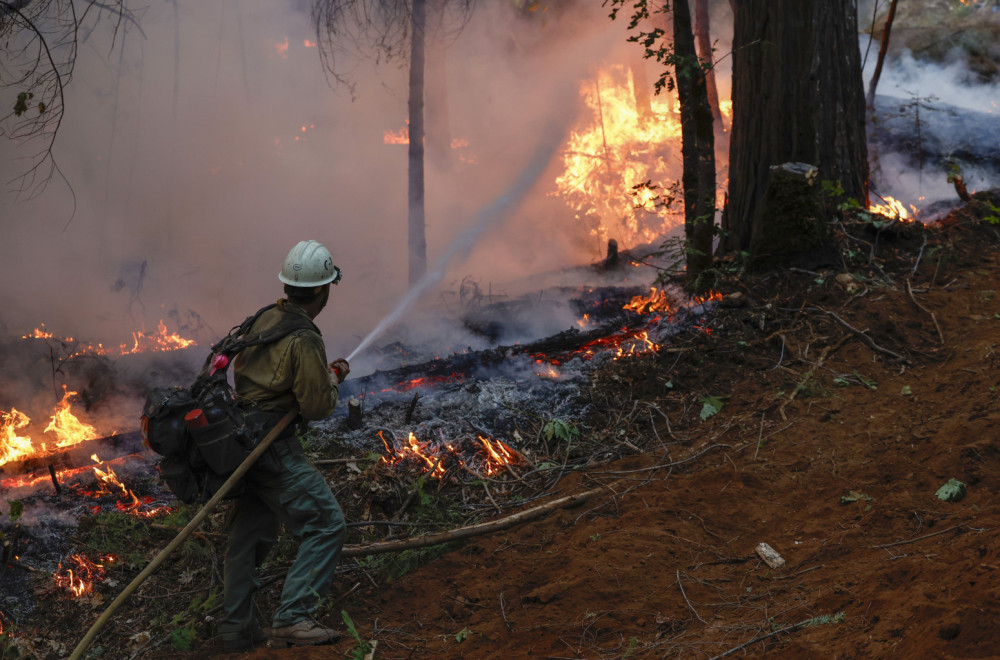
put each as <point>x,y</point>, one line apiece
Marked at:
<point>283,488</point>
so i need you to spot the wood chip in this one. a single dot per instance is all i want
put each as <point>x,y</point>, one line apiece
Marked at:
<point>770,557</point>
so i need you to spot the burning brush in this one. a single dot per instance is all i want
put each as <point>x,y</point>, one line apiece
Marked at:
<point>487,457</point>
<point>79,578</point>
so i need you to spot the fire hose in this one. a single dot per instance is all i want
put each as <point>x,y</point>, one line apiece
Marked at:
<point>199,517</point>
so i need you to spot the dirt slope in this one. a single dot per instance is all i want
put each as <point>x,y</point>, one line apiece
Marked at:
<point>839,475</point>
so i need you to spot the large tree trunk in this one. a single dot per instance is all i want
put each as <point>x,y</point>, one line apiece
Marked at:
<point>697,148</point>
<point>415,216</point>
<point>798,96</point>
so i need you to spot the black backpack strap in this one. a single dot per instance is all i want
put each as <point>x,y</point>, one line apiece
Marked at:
<point>242,328</point>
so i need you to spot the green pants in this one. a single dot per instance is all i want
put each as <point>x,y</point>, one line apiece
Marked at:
<point>283,489</point>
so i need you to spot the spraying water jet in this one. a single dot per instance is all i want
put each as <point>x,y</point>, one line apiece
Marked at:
<point>489,217</point>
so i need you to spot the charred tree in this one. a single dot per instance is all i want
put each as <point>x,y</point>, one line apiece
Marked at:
<point>798,96</point>
<point>385,27</point>
<point>415,208</point>
<point>883,49</point>
<point>697,148</point>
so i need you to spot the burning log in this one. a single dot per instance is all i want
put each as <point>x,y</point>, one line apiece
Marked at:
<point>78,455</point>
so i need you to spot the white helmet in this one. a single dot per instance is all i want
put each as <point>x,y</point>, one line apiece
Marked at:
<point>309,264</point>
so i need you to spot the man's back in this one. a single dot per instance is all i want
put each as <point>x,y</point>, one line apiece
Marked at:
<point>291,371</point>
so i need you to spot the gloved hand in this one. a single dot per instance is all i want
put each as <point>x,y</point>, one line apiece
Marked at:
<point>340,368</point>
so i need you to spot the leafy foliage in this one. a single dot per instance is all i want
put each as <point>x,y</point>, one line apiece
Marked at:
<point>363,647</point>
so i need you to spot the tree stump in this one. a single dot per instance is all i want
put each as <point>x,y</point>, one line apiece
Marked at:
<point>792,224</point>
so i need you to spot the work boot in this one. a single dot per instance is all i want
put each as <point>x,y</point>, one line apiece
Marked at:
<point>303,633</point>
<point>243,641</point>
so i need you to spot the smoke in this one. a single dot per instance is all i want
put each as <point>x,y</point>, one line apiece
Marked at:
<point>201,149</point>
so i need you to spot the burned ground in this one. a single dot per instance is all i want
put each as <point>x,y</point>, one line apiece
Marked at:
<point>820,415</point>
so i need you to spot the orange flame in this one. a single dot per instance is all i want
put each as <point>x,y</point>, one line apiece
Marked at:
<point>500,456</point>
<point>614,165</point>
<point>67,428</point>
<point>161,340</point>
<point>402,136</point>
<point>892,208</point>
<point>656,301</point>
<point>12,445</point>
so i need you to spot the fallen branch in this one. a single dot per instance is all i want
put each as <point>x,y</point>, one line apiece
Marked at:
<point>805,378</point>
<point>472,530</point>
<point>919,538</point>
<point>909,290</point>
<point>792,628</point>
<point>868,340</point>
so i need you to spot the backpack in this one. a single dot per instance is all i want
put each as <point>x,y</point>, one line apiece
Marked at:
<point>200,431</point>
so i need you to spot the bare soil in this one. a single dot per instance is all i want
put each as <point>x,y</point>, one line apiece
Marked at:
<point>848,404</point>
<point>849,397</point>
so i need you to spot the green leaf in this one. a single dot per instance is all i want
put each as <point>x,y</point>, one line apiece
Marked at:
<point>462,635</point>
<point>855,496</point>
<point>16,509</point>
<point>906,391</point>
<point>952,491</point>
<point>710,406</point>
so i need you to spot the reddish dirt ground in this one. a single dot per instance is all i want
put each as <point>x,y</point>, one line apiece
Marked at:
<point>850,396</point>
<point>839,479</point>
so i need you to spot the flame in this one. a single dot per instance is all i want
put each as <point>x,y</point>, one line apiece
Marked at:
<point>161,340</point>
<point>64,424</point>
<point>309,44</point>
<point>402,136</point>
<point>616,166</point>
<point>413,448</point>
<point>656,301</point>
<point>281,48</point>
<point>892,208</point>
<point>500,456</point>
<point>39,333</point>
<point>80,579</point>
<point>496,455</point>
<point>12,445</point>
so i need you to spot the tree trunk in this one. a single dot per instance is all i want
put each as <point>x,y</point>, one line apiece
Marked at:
<point>883,48</point>
<point>697,149</point>
<point>798,96</point>
<point>436,92</point>
<point>703,38</point>
<point>415,215</point>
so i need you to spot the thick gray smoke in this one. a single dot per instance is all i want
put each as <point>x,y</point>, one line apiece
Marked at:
<point>200,150</point>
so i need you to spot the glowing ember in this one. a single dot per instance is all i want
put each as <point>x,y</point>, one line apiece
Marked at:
<point>656,301</point>
<point>79,579</point>
<point>422,381</point>
<point>615,167</point>
<point>892,208</point>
